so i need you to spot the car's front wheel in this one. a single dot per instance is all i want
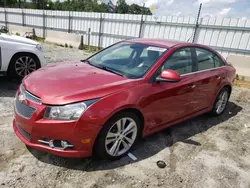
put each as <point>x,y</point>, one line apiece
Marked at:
<point>118,136</point>
<point>221,102</point>
<point>23,64</point>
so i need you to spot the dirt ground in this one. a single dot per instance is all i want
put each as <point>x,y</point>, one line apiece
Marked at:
<point>203,152</point>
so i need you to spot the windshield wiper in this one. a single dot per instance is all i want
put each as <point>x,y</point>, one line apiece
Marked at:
<point>85,61</point>
<point>103,67</point>
<point>112,70</point>
<point>88,62</point>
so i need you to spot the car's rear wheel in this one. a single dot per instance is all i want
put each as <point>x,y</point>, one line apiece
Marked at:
<point>221,102</point>
<point>118,136</point>
<point>23,64</point>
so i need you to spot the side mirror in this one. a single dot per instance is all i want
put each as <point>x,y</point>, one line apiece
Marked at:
<point>168,76</point>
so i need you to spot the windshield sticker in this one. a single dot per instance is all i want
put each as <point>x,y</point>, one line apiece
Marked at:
<point>158,49</point>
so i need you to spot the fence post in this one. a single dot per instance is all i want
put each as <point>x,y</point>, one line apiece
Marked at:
<point>89,32</point>
<point>23,17</point>
<point>81,43</point>
<point>43,5</point>
<point>141,25</point>
<point>197,24</point>
<point>6,18</point>
<point>43,24</point>
<point>100,32</point>
<point>69,29</point>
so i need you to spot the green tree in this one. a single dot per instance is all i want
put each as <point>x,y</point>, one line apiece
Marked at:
<point>122,7</point>
<point>57,5</point>
<point>135,9</point>
<point>102,7</point>
<point>77,5</point>
<point>9,3</point>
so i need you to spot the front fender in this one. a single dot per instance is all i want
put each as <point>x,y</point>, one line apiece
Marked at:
<point>9,49</point>
<point>106,107</point>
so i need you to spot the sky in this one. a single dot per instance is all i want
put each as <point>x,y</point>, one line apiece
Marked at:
<point>211,8</point>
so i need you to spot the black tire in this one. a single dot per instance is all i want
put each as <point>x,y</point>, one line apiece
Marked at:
<point>214,111</point>
<point>99,149</point>
<point>12,73</point>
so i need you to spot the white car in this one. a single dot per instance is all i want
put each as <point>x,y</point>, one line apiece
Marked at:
<point>19,56</point>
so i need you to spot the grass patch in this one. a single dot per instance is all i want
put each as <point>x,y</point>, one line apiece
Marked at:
<point>91,48</point>
<point>17,34</point>
<point>242,83</point>
<point>36,38</point>
<point>40,39</point>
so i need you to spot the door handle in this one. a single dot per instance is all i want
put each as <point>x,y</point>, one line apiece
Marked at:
<point>192,86</point>
<point>218,77</point>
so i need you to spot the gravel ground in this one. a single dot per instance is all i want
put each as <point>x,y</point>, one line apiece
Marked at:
<point>202,152</point>
<point>57,54</point>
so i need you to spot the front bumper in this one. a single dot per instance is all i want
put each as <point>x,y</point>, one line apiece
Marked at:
<point>62,153</point>
<point>80,134</point>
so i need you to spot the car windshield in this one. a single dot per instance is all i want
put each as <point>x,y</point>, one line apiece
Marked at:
<point>128,59</point>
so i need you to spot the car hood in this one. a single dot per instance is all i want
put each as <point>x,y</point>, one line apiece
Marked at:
<point>65,83</point>
<point>14,38</point>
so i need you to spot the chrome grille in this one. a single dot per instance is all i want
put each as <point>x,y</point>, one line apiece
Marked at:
<point>23,109</point>
<point>29,96</point>
<point>23,132</point>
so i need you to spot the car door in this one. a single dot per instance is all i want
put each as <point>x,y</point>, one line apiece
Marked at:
<point>167,101</point>
<point>7,50</point>
<point>208,76</point>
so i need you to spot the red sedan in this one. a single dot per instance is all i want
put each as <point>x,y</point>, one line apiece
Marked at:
<point>104,104</point>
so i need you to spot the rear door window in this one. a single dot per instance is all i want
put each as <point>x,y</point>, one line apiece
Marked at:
<point>207,60</point>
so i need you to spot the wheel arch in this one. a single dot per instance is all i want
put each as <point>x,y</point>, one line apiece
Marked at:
<point>23,53</point>
<point>137,112</point>
<point>134,110</point>
<point>226,85</point>
<point>229,87</point>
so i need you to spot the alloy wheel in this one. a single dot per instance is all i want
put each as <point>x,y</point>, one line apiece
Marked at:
<point>121,136</point>
<point>222,102</point>
<point>25,65</point>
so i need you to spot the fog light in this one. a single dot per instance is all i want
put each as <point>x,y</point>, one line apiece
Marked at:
<point>56,144</point>
<point>51,144</point>
<point>64,144</point>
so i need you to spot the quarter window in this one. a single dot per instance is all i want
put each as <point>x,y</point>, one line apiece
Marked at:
<point>218,61</point>
<point>180,61</point>
<point>207,60</point>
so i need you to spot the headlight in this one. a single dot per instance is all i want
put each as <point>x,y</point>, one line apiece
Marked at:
<point>67,112</point>
<point>39,47</point>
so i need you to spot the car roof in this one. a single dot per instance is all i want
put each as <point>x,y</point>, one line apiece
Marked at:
<point>159,42</point>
